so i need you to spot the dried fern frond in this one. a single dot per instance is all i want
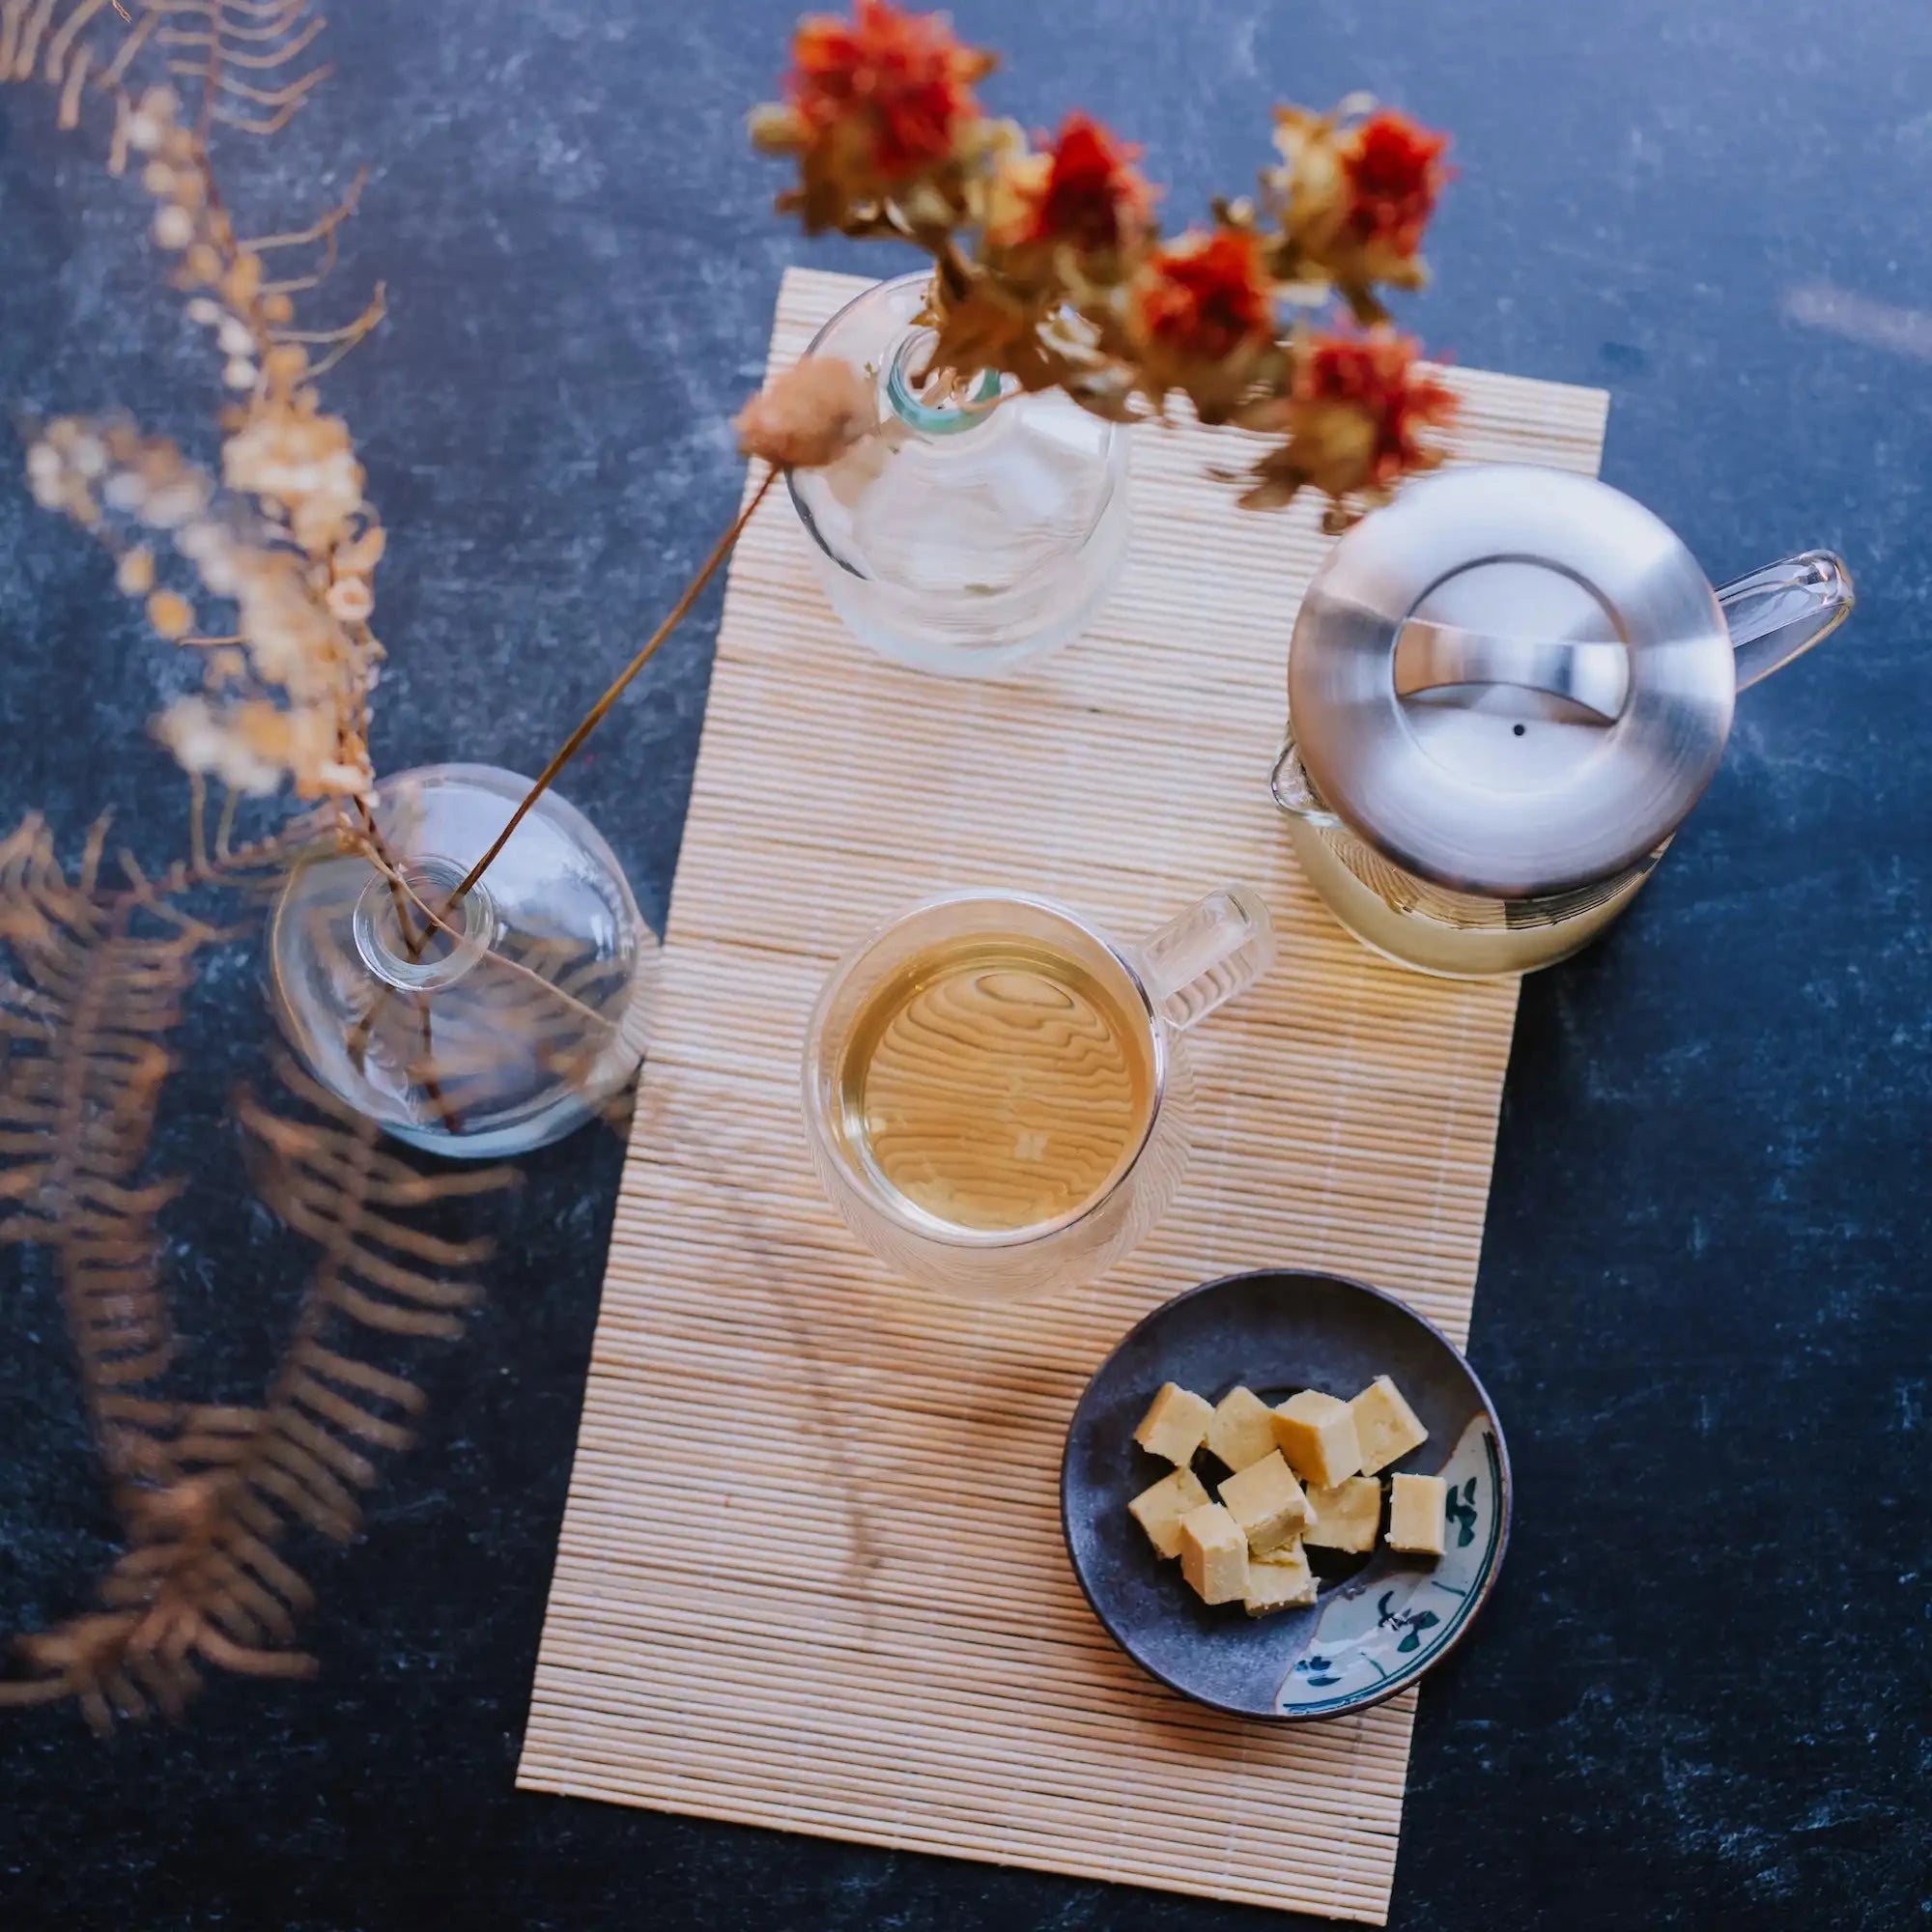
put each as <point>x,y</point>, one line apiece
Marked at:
<point>330,1177</point>
<point>74,45</point>
<point>249,63</point>
<point>203,1582</point>
<point>59,42</point>
<point>95,990</point>
<point>249,59</point>
<point>91,990</point>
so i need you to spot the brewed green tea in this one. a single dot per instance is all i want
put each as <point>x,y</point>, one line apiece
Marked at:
<point>996,1084</point>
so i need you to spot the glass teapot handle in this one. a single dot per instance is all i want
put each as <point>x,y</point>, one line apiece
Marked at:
<point>1289,783</point>
<point>1778,612</point>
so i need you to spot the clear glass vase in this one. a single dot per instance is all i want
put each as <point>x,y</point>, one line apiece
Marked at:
<point>976,532</point>
<point>501,1028</point>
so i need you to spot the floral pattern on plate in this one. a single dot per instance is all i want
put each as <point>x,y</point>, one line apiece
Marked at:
<point>1382,1628</point>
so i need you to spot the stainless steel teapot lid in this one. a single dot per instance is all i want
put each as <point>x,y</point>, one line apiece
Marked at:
<point>1513,681</point>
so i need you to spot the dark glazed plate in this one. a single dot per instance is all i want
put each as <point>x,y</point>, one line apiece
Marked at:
<point>1380,1620</point>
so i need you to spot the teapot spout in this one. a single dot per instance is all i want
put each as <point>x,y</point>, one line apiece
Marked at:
<point>1778,612</point>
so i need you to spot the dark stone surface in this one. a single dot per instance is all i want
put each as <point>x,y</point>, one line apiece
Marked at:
<point>1702,1697</point>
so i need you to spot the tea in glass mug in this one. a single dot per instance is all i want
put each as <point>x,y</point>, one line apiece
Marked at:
<point>996,1091</point>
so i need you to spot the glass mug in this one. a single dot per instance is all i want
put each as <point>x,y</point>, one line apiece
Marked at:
<point>996,1092</point>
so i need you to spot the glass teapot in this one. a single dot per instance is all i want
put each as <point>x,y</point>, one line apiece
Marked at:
<point>1505,691</point>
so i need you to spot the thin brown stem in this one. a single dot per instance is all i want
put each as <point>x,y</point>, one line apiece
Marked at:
<point>130,45</point>
<point>391,869</point>
<point>322,229</point>
<point>224,830</point>
<point>496,959</point>
<point>594,717</point>
<point>197,819</point>
<point>413,942</point>
<point>347,336</point>
<point>954,275</point>
<point>446,1115</point>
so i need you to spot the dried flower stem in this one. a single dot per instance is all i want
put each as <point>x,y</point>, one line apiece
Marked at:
<point>500,961</point>
<point>386,863</point>
<point>594,717</point>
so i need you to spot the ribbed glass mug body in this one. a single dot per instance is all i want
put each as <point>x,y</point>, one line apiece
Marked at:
<point>1159,989</point>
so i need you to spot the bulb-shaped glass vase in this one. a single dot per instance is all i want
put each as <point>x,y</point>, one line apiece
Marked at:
<point>497,1028</point>
<point>978,529</point>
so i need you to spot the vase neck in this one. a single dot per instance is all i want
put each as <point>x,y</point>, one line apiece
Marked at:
<point>909,387</point>
<point>423,955</point>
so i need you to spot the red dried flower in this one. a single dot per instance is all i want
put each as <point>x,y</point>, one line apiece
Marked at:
<point>897,86</point>
<point>1363,395</point>
<point>1207,297</point>
<point>1092,197</point>
<point>1394,170</point>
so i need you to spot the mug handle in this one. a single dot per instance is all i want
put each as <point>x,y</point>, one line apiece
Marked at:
<point>1219,947</point>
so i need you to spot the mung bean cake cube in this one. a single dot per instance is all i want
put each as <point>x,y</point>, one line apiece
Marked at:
<point>1316,1434</point>
<point>1267,1502</point>
<point>1347,1517</point>
<point>1174,1423</point>
<point>1280,1580</point>
<point>1214,1554</point>
<point>1158,1510</point>
<point>1416,1515</point>
<point>1386,1428</point>
<point>1241,1431</point>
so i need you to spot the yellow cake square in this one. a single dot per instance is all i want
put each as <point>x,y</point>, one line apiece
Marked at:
<point>1267,1502</point>
<point>1214,1554</point>
<point>1158,1510</point>
<point>1386,1428</point>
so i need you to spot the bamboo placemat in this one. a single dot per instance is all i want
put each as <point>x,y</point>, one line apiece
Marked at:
<point>811,1573</point>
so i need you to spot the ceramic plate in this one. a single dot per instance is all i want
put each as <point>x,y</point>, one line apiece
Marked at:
<point>1380,1620</point>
